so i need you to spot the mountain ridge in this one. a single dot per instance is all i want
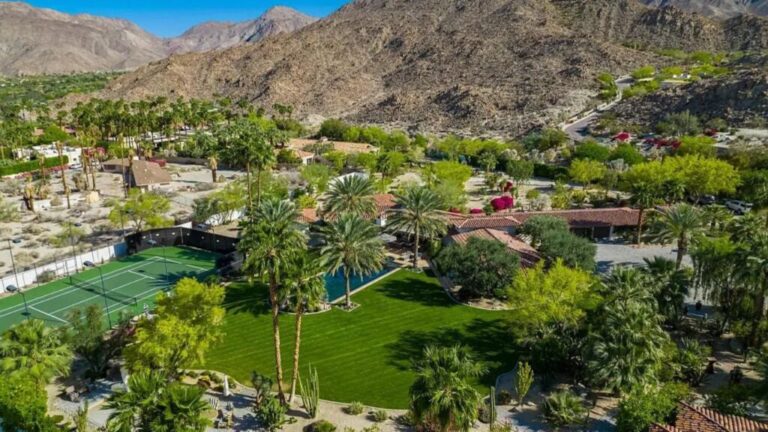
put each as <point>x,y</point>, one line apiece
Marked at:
<point>45,41</point>
<point>466,66</point>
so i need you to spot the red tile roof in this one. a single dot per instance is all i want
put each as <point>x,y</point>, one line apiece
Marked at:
<point>384,202</point>
<point>308,216</point>
<point>583,218</point>
<point>529,257</point>
<point>696,419</point>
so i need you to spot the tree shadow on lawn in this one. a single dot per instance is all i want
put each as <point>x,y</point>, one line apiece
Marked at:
<point>416,289</point>
<point>247,297</point>
<point>489,340</point>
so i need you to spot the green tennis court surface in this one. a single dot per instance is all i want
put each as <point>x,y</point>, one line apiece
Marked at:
<point>129,284</point>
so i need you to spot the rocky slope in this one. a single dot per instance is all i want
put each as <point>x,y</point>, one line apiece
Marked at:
<point>217,35</point>
<point>42,41</point>
<point>720,9</point>
<point>35,41</point>
<point>741,99</point>
<point>502,66</point>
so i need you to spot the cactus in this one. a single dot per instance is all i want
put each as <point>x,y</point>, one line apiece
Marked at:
<point>310,392</point>
<point>492,409</point>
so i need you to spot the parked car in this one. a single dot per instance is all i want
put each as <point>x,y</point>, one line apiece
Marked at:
<point>703,200</point>
<point>738,207</point>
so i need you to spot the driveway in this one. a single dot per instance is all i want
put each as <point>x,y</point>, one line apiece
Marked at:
<point>613,253</point>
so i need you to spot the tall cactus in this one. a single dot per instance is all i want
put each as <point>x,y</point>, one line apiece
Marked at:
<point>310,392</point>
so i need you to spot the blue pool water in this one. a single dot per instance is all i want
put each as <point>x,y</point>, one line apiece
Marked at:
<point>334,283</point>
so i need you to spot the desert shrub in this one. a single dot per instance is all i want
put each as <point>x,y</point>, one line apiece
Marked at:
<point>504,398</point>
<point>271,414</point>
<point>355,408</point>
<point>46,276</point>
<point>320,426</point>
<point>380,415</point>
<point>564,408</point>
<point>204,186</point>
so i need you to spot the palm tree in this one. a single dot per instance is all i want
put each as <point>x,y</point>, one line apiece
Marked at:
<point>269,243</point>
<point>442,397</point>
<point>305,288</point>
<point>134,409</point>
<point>183,408</point>
<point>213,164</point>
<point>36,349</point>
<point>352,194</point>
<point>59,150</point>
<point>249,147</point>
<point>353,246</point>
<point>418,215</point>
<point>680,223</point>
<point>643,198</point>
<point>671,286</point>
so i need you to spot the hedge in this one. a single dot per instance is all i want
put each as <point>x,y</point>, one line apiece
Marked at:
<point>32,165</point>
<point>553,172</point>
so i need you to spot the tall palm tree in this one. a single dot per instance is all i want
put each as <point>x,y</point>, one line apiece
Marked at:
<point>36,349</point>
<point>678,224</point>
<point>353,246</point>
<point>59,150</point>
<point>248,145</point>
<point>305,288</point>
<point>352,194</point>
<point>442,397</point>
<point>269,243</point>
<point>643,198</point>
<point>418,215</point>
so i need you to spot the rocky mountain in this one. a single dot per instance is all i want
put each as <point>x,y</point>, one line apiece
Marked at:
<point>35,41</point>
<point>721,9</point>
<point>500,66</point>
<point>740,98</point>
<point>217,35</point>
<point>43,41</point>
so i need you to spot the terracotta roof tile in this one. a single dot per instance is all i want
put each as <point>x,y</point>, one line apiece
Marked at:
<point>529,257</point>
<point>308,216</point>
<point>584,218</point>
<point>696,419</point>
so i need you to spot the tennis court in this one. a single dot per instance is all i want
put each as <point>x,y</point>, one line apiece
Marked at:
<point>129,285</point>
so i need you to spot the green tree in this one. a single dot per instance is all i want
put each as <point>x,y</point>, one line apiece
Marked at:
<point>537,226</point>
<point>151,404</point>
<point>701,145</point>
<point>646,406</point>
<point>304,287</point>
<point>519,170</point>
<point>575,251</point>
<point>488,161</point>
<point>483,268</point>
<point>586,172</point>
<point>391,163</point>
<point>269,243</point>
<point>35,350</point>
<point>186,325</point>
<point>678,224</point>
<point>352,245</point>
<point>442,397</point>
<point>86,337</point>
<point>644,72</point>
<point>143,210</point>
<point>625,349</point>
<point>24,404</point>
<point>317,177</point>
<point>643,197</point>
<point>418,215</point>
<point>523,381</point>
<point>591,150</point>
<point>247,144</point>
<point>446,171</point>
<point>352,194</point>
<point>628,153</point>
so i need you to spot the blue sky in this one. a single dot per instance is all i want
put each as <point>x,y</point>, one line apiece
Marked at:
<point>172,17</point>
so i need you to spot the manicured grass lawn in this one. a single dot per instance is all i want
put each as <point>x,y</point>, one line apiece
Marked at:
<point>364,355</point>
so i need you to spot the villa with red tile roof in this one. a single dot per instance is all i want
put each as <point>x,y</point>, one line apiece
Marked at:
<point>592,223</point>
<point>696,419</point>
<point>529,257</point>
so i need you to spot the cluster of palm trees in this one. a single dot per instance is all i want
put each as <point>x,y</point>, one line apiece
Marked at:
<point>276,249</point>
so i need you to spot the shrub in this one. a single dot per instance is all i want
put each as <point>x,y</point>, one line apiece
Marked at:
<point>262,385</point>
<point>553,172</point>
<point>380,415</point>
<point>355,408</point>
<point>271,414</point>
<point>654,405</point>
<point>321,426</point>
<point>28,166</point>
<point>533,194</point>
<point>503,203</point>
<point>564,408</point>
<point>46,276</point>
<point>504,398</point>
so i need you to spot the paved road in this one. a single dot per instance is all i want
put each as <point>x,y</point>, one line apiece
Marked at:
<point>576,130</point>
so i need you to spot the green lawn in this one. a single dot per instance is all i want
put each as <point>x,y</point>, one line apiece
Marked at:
<point>364,355</point>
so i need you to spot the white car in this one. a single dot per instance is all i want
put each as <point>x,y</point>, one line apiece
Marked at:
<point>738,207</point>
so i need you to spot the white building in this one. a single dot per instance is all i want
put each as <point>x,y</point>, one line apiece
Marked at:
<point>73,154</point>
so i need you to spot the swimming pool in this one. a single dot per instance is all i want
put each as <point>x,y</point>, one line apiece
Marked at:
<point>334,283</point>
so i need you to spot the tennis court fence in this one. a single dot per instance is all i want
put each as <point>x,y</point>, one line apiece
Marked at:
<point>71,264</point>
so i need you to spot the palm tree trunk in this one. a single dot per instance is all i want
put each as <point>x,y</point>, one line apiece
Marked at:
<point>93,174</point>
<point>682,248</point>
<point>639,234</point>
<point>758,312</point>
<point>258,185</point>
<point>416,249</point>
<point>276,334</point>
<point>250,192</point>
<point>296,347</point>
<point>63,176</point>
<point>346,284</point>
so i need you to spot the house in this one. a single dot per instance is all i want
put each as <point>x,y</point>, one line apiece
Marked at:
<point>49,151</point>
<point>147,176</point>
<point>116,166</point>
<point>590,223</point>
<point>529,257</point>
<point>695,419</point>
<point>384,203</point>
